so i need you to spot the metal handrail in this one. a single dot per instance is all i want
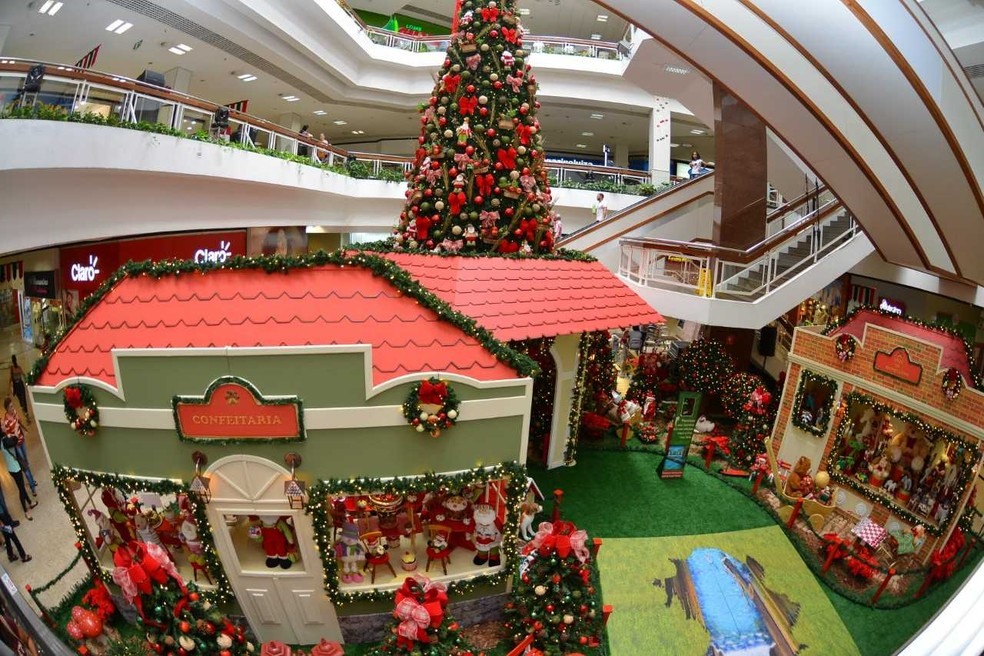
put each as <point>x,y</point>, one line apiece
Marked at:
<point>278,137</point>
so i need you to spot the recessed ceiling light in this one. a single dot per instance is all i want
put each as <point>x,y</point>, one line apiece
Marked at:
<point>341,122</point>
<point>696,132</point>
<point>673,145</point>
<point>686,145</point>
<point>119,26</point>
<point>598,116</point>
<point>180,49</point>
<point>678,70</point>
<point>320,112</point>
<point>587,134</point>
<point>182,46</point>
<point>602,18</point>
<point>291,98</point>
<point>50,7</point>
<point>580,146</point>
<point>358,131</point>
<point>524,12</point>
<point>596,37</point>
<point>246,77</point>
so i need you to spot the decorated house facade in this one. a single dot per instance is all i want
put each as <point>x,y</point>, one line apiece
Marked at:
<point>889,408</point>
<point>302,434</point>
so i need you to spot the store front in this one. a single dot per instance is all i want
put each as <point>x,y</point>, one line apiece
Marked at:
<point>318,366</point>
<point>44,310</point>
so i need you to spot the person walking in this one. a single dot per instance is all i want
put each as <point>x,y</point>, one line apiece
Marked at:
<point>9,444</point>
<point>600,208</point>
<point>10,540</point>
<point>11,425</point>
<point>17,386</point>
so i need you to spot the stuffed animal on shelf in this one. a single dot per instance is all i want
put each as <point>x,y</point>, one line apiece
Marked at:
<point>119,513</point>
<point>488,536</point>
<point>528,511</point>
<point>348,550</point>
<point>794,482</point>
<point>276,535</point>
<point>879,472</point>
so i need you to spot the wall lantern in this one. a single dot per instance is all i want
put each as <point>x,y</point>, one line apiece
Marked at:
<point>200,484</point>
<point>294,489</point>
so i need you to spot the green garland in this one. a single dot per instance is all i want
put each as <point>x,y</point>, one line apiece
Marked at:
<point>561,254</point>
<point>577,399</point>
<point>62,477</point>
<point>318,508</point>
<point>443,419</point>
<point>968,347</point>
<point>379,266</point>
<point>932,432</point>
<point>806,377</point>
<point>84,419</point>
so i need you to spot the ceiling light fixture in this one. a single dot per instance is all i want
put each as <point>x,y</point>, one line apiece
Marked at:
<point>677,70</point>
<point>320,112</point>
<point>118,26</point>
<point>673,145</point>
<point>696,132</point>
<point>246,77</point>
<point>602,18</point>
<point>340,122</point>
<point>580,146</point>
<point>290,98</point>
<point>596,37</point>
<point>598,116</point>
<point>180,49</point>
<point>358,131</point>
<point>587,134</point>
<point>524,12</point>
<point>50,7</point>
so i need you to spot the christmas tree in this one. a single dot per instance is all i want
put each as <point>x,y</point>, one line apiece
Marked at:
<point>599,373</point>
<point>179,620</point>
<point>422,625</point>
<point>554,598</point>
<point>478,183</point>
<point>737,391</point>
<point>705,365</point>
<point>754,426</point>
<point>650,371</point>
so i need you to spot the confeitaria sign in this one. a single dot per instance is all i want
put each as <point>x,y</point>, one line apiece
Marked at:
<point>232,409</point>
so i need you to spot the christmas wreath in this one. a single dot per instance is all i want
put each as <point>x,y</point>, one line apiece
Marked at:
<point>952,383</point>
<point>81,409</point>
<point>431,406</point>
<point>845,347</point>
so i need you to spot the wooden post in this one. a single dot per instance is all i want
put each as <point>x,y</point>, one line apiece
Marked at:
<point>606,612</point>
<point>796,512</point>
<point>596,546</point>
<point>558,498</point>
<point>708,455</point>
<point>625,434</point>
<point>884,584</point>
<point>758,481</point>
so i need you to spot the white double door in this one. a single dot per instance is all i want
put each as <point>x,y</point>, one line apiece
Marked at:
<point>289,605</point>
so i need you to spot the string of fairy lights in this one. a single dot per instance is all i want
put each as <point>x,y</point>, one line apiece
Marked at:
<point>320,495</point>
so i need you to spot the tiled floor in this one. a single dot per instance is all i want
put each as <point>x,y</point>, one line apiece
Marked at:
<point>49,538</point>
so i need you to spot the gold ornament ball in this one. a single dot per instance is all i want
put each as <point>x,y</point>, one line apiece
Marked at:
<point>822,479</point>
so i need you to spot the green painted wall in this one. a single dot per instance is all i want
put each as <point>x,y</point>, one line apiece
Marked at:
<point>321,381</point>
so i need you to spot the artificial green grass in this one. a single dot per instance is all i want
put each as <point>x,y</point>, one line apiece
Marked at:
<point>617,494</point>
<point>642,625</point>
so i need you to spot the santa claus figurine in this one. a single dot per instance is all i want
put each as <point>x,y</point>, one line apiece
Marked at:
<point>488,536</point>
<point>276,535</point>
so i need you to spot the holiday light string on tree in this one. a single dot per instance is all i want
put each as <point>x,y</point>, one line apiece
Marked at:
<point>578,399</point>
<point>318,507</point>
<point>541,411</point>
<point>650,370</point>
<point>753,427</point>
<point>932,432</point>
<point>63,479</point>
<point>737,390</point>
<point>478,182</point>
<point>705,365</point>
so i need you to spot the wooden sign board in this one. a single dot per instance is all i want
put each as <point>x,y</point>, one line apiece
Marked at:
<point>233,410</point>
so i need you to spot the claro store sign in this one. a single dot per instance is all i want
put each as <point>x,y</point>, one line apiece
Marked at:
<point>84,268</point>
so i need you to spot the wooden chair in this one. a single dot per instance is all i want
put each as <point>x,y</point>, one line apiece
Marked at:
<point>369,542</point>
<point>443,555</point>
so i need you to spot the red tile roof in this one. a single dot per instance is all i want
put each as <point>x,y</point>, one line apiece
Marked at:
<point>954,350</point>
<point>324,305</point>
<point>530,298</point>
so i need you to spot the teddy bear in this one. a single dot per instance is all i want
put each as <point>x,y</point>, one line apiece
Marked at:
<point>795,480</point>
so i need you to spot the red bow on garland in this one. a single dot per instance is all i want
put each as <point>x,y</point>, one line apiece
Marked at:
<point>467,104</point>
<point>511,35</point>
<point>451,83</point>
<point>435,393</point>
<point>489,14</point>
<point>485,183</point>
<point>524,132</point>
<point>420,605</point>
<point>73,396</point>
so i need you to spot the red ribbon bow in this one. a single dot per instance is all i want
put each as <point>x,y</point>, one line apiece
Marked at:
<point>511,35</point>
<point>420,605</point>
<point>485,183</point>
<point>562,537</point>
<point>507,157</point>
<point>451,83</point>
<point>489,14</point>
<point>525,133</point>
<point>435,393</point>
<point>73,396</point>
<point>467,104</point>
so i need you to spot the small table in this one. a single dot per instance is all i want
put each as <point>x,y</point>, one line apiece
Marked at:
<point>869,532</point>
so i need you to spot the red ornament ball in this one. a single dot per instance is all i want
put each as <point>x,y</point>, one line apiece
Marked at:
<point>185,627</point>
<point>478,200</point>
<point>470,88</point>
<point>490,132</point>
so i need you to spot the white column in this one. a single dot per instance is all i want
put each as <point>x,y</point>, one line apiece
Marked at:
<point>564,352</point>
<point>659,140</point>
<point>178,79</point>
<point>621,154</point>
